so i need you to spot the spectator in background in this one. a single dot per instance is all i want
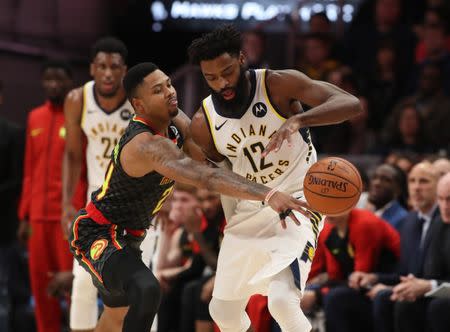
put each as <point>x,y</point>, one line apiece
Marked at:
<point>442,166</point>
<point>254,48</point>
<point>434,38</point>
<point>356,241</point>
<point>387,189</point>
<point>207,232</point>
<point>14,281</point>
<point>413,312</point>
<point>434,16</point>
<point>434,105</point>
<point>353,136</point>
<point>384,22</point>
<point>404,161</point>
<point>404,131</point>
<point>416,239</point>
<point>320,23</point>
<point>179,262</point>
<point>40,206</point>
<point>383,84</point>
<point>317,60</point>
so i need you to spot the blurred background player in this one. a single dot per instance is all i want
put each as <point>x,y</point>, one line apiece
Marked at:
<point>96,117</point>
<point>40,206</point>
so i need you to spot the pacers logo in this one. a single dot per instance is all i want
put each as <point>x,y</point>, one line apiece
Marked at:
<point>97,248</point>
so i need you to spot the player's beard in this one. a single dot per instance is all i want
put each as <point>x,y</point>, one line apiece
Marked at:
<point>240,96</point>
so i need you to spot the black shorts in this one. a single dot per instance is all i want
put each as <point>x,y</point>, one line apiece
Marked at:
<point>92,244</point>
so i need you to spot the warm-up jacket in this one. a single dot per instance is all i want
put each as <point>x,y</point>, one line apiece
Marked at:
<point>42,184</point>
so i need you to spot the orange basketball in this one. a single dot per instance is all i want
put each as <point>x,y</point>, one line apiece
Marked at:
<point>332,186</point>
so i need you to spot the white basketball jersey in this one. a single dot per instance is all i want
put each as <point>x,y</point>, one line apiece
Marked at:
<point>243,140</point>
<point>103,130</point>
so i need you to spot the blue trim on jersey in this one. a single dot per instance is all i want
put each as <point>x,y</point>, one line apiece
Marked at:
<point>296,272</point>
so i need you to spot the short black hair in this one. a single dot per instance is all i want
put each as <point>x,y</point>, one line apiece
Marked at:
<point>322,15</point>
<point>135,76</point>
<point>57,64</point>
<point>226,39</point>
<point>109,45</point>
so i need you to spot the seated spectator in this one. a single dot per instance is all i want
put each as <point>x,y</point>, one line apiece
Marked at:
<point>373,291</point>
<point>177,263</point>
<point>413,312</point>
<point>442,166</point>
<point>387,191</point>
<point>206,232</point>
<point>356,241</point>
<point>404,161</point>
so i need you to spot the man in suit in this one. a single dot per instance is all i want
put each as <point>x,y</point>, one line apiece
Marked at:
<point>413,311</point>
<point>387,187</point>
<point>415,238</point>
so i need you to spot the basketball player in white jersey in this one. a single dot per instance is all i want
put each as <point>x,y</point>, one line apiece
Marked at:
<point>243,124</point>
<point>96,115</point>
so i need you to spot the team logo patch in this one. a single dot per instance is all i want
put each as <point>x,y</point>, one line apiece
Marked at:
<point>308,252</point>
<point>97,248</point>
<point>125,114</point>
<point>259,110</point>
<point>62,132</point>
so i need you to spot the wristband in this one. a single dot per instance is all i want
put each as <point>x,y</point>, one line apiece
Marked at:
<point>269,195</point>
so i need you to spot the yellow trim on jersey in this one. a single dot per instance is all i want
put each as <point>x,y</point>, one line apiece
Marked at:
<point>266,96</point>
<point>106,183</point>
<point>210,124</point>
<point>83,112</point>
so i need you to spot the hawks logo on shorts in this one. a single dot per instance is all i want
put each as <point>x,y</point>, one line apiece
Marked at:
<point>97,248</point>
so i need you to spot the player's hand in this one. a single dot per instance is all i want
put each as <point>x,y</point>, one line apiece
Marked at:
<point>23,233</point>
<point>284,204</point>
<point>60,283</point>
<point>67,218</point>
<point>285,132</point>
<point>207,290</point>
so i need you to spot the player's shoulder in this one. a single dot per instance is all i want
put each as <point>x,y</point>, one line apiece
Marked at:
<point>75,95</point>
<point>283,77</point>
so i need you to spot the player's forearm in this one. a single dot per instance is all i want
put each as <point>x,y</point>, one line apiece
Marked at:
<point>335,110</point>
<point>234,185</point>
<point>70,175</point>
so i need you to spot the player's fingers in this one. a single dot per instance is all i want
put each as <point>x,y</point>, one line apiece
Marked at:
<point>271,146</point>
<point>283,223</point>
<point>294,218</point>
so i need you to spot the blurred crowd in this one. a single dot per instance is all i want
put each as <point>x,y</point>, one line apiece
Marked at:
<point>377,268</point>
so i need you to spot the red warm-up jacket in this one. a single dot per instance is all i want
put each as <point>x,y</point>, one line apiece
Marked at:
<point>42,183</point>
<point>368,235</point>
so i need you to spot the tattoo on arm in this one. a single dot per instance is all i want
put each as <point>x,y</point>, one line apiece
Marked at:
<point>165,158</point>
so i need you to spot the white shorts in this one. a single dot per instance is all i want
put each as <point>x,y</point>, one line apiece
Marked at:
<point>255,248</point>
<point>84,305</point>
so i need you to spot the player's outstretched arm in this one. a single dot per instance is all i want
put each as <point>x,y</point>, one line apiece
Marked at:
<point>148,152</point>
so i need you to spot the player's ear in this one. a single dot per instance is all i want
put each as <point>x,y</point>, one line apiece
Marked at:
<point>137,105</point>
<point>241,58</point>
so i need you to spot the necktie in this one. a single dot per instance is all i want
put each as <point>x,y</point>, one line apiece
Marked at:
<point>419,256</point>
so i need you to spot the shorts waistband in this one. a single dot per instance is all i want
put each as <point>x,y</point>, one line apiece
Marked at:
<point>97,216</point>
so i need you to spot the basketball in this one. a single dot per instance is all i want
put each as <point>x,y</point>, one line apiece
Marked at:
<point>332,186</point>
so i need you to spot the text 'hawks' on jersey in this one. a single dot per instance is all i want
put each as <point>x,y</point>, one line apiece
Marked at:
<point>243,140</point>
<point>103,130</point>
<point>132,202</point>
